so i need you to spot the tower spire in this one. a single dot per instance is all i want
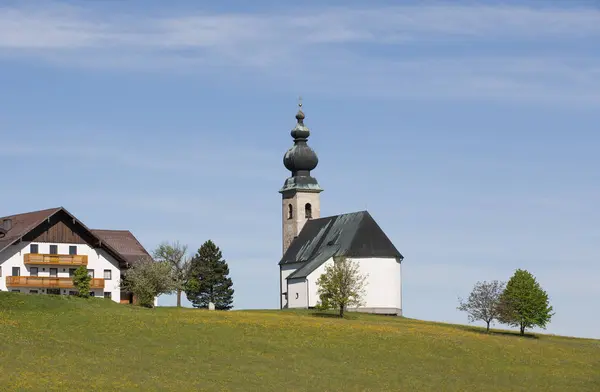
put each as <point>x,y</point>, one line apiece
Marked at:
<point>300,191</point>
<point>300,159</point>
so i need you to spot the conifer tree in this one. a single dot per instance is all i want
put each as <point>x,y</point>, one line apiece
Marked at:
<point>208,279</point>
<point>524,303</point>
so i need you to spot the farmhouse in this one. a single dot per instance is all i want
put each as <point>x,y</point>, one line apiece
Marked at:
<point>40,251</point>
<point>310,242</point>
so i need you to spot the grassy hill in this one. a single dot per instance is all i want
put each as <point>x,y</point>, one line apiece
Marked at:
<point>54,343</point>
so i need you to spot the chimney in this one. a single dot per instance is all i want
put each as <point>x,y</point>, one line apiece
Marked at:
<point>7,224</point>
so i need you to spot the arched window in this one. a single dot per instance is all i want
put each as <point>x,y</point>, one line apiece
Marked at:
<point>290,211</point>
<point>308,211</point>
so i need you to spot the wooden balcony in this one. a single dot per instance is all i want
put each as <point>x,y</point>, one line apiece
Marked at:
<point>48,282</point>
<point>43,259</point>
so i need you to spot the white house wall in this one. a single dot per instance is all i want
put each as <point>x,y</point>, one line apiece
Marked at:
<point>383,293</point>
<point>98,261</point>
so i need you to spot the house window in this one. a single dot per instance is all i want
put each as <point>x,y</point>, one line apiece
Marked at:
<point>0,270</point>
<point>53,249</point>
<point>290,211</point>
<point>107,274</point>
<point>72,250</point>
<point>33,271</point>
<point>33,291</point>
<point>53,291</point>
<point>34,248</point>
<point>92,294</point>
<point>16,291</point>
<point>16,271</point>
<point>53,272</point>
<point>308,211</point>
<point>72,272</point>
<point>91,273</point>
<point>107,295</point>
<point>72,292</point>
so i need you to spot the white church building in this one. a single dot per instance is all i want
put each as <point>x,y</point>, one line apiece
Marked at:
<point>310,242</point>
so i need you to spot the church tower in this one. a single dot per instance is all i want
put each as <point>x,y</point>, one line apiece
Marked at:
<point>300,192</point>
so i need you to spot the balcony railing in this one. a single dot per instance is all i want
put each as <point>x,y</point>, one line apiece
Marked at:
<point>49,282</point>
<point>37,258</point>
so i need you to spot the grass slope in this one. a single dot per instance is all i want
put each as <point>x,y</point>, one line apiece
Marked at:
<point>59,343</point>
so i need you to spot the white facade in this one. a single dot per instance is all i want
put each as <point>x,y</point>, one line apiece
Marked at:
<point>100,264</point>
<point>383,291</point>
<point>285,271</point>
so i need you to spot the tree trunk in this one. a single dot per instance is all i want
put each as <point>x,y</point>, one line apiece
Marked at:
<point>522,330</point>
<point>341,311</point>
<point>178,298</point>
<point>488,327</point>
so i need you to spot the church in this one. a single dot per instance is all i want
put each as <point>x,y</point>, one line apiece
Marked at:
<point>310,242</point>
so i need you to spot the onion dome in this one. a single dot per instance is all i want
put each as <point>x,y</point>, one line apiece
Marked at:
<point>300,158</point>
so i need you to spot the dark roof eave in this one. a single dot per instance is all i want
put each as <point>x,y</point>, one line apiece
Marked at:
<point>103,244</point>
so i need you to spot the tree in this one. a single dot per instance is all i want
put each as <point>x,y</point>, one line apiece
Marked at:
<point>81,281</point>
<point>174,254</point>
<point>483,302</point>
<point>208,280</point>
<point>524,303</point>
<point>147,279</point>
<point>341,285</point>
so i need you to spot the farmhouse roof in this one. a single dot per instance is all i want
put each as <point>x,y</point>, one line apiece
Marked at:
<point>120,244</point>
<point>124,242</point>
<point>354,234</point>
<point>22,224</point>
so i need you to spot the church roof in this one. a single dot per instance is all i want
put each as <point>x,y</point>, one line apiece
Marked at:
<point>355,234</point>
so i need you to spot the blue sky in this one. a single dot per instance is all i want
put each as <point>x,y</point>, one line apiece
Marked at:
<point>469,132</point>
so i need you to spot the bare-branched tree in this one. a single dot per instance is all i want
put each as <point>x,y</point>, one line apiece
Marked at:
<point>175,255</point>
<point>483,302</point>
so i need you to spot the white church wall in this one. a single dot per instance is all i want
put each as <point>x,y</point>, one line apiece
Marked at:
<point>297,293</point>
<point>383,292</point>
<point>383,289</point>
<point>285,271</point>
<point>313,296</point>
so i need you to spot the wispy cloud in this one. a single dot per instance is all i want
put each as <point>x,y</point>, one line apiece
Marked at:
<point>322,48</point>
<point>61,26</point>
<point>181,160</point>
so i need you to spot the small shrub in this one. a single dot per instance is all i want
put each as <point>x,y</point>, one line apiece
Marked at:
<point>81,281</point>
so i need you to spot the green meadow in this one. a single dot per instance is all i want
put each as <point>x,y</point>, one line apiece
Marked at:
<point>61,343</point>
